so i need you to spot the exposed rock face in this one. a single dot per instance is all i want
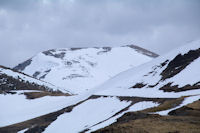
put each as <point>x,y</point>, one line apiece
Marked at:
<point>143,51</point>
<point>23,65</point>
<point>179,63</point>
<point>53,53</point>
<point>8,83</point>
<point>175,88</point>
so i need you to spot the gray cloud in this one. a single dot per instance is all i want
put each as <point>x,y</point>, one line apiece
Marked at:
<point>30,26</point>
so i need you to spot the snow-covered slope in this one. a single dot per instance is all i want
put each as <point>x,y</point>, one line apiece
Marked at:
<point>17,108</point>
<point>80,69</point>
<point>78,119</point>
<point>172,75</point>
<point>13,80</point>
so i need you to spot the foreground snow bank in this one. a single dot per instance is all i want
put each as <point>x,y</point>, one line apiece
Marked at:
<point>87,114</point>
<point>16,108</point>
<point>136,107</point>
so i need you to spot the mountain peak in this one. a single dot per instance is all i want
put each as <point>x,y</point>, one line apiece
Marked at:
<point>88,66</point>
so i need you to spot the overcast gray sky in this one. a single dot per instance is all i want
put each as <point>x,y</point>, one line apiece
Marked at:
<point>30,26</point>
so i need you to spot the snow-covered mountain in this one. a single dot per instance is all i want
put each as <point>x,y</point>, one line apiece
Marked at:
<point>166,86</point>
<point>80,69</point>
<point>162,95</point>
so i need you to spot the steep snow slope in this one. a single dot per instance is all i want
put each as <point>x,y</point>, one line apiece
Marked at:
<point>172,75</point>
<point>80,69</point>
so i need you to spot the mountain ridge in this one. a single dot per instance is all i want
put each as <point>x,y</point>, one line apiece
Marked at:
<point>22,81</point>
<point>88,66</point>
<point>21,66</point>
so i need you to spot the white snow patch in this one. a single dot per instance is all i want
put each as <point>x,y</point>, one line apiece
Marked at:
<point>142,105</point>
<point>136,107</point>
<point>16,108</point>
<point>23,91</point>
<point>22,131</point>
<point>87,114</point>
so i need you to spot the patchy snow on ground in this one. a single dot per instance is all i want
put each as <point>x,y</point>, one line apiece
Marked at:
<point>186,101</point>
<point>87,114</point>
<point>147,92</point>
<point>136,107</point>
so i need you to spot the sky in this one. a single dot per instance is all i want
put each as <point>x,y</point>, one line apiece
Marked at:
<point>31,26</point>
